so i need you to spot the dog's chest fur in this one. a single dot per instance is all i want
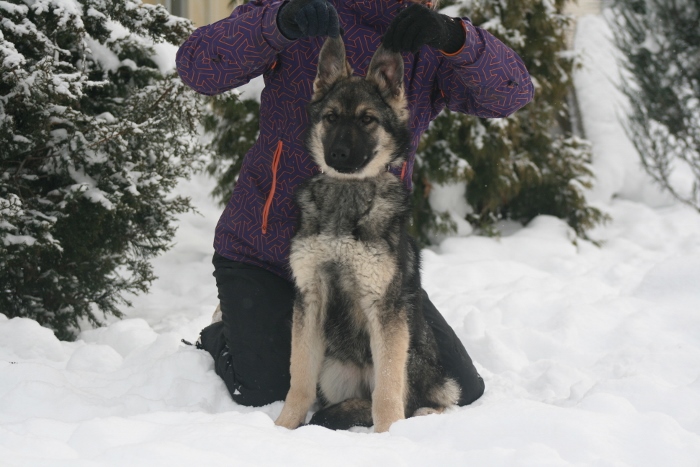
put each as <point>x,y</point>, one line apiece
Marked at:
<point>346,251</point>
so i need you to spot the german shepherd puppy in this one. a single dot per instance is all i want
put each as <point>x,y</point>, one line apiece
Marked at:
<point>360,342</point>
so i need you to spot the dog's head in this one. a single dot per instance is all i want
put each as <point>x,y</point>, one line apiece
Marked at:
<point>357,126</point>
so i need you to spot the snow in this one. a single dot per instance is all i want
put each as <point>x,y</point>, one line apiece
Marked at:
<point>103,55</point>
<point>88,187</point>
<point>165,56</point>
<point>591,354</point>
<point>252,89</point>
<point>450,198</point>
<point>10,239</point>
<point>616,165</point>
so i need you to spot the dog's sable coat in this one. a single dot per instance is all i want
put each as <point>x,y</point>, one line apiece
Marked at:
<point>360,342</point>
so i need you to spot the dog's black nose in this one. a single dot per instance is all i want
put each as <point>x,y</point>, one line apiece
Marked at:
<point>340,153</point>
<point>343,156</point>
<point>340,159</point>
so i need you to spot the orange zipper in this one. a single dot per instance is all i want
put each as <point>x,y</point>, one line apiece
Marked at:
<point>268,202</point>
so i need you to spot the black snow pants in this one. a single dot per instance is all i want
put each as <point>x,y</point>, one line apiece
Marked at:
<point>251,346</point>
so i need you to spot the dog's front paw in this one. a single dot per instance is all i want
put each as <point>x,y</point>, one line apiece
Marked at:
<point>289,424</point>
<point>383,426</point>
<point>385,421</point>
<point>290,420</point>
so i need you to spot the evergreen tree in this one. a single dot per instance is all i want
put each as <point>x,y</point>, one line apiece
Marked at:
<point>660,41</point>
<point>95,136</point>
<point>524,165</point>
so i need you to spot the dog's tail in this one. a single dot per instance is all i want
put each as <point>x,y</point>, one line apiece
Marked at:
<point>345,415</point>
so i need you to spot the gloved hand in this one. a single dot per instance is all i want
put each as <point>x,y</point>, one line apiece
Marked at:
<point>308,18</point>
<point>418,25</point>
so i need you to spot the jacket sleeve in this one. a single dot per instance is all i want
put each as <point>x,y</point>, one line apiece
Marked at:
<point>485,77</point>
<point>231,52</point>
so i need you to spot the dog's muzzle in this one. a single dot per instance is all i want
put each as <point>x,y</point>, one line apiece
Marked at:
<point>342,160</point>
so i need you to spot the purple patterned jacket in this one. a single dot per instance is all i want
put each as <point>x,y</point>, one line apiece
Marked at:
<point>484,78</point>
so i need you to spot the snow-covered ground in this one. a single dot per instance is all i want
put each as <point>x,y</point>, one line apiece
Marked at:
<point>591,355</point>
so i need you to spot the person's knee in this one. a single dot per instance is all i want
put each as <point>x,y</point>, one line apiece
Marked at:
<point>254,383</point>
<point>257,397</point>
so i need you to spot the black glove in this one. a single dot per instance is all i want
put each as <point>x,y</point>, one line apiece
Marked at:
<point>307,18</point>
<point>418,25</point>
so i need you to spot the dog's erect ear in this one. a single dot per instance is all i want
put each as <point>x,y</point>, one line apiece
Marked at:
<point>386,71</point>
<point>332,64</point>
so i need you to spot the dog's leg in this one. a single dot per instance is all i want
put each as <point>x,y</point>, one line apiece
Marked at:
<point>307,357</point>
<point>389,339</point>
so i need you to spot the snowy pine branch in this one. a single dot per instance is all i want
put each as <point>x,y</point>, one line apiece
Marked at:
<point>97,135</point>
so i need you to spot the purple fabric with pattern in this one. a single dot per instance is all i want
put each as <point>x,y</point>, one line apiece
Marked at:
<point>485,78</point>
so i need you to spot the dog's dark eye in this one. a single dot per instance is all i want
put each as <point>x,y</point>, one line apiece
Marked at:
<point>331,118</point>
<point>367,119</point>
